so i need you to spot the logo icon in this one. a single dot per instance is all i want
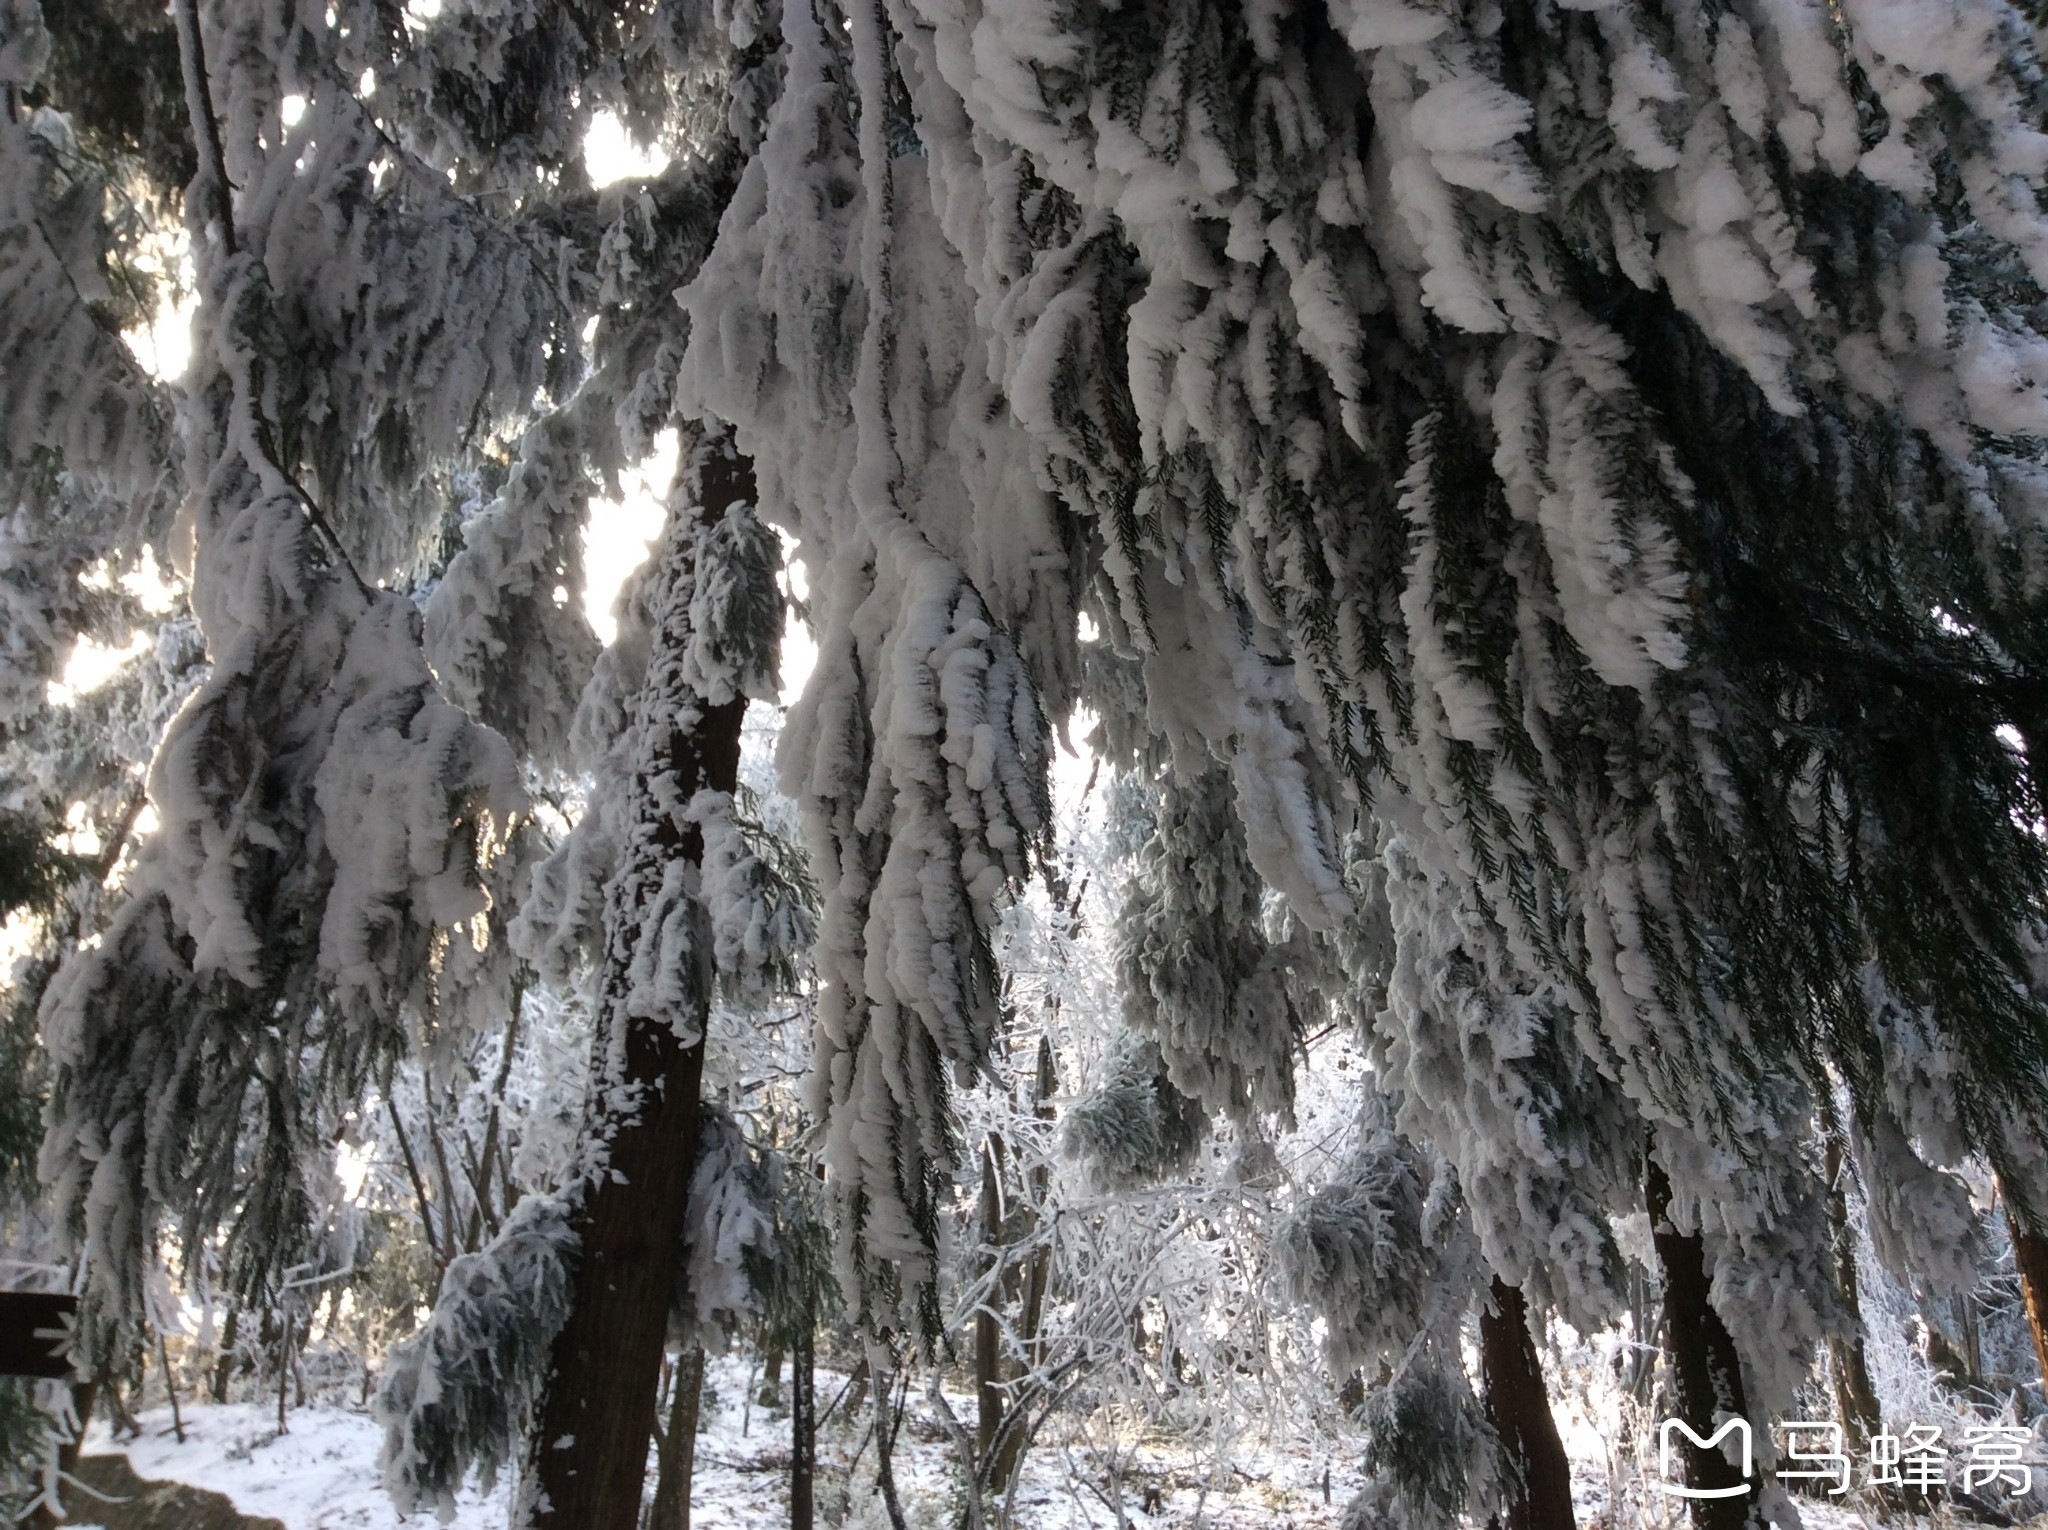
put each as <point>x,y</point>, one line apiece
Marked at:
<point>1667,1435</point>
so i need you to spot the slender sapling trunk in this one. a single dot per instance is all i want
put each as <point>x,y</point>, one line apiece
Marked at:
<point>988,1334</point>
<point>803,1430</point>
<point>678,1456</point>
<point>1855,1396</point>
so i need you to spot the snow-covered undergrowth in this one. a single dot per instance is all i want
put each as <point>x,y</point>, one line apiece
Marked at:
<point>322,1474</point>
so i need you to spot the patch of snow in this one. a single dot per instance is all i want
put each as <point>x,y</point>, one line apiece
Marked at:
<point>323,1474</point>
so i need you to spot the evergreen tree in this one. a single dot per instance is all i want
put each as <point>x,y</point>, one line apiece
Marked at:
<point>1385,1254</point>
<point>1600,438</point>
<point>404,279</point>
<point>1567,482</point>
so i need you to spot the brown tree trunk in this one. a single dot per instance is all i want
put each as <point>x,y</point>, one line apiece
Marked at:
<point>224,1366</point>
<point>803,1430</point>
<point>1351,1395</point>
<point>163,1355</point>
<point>1704,1363</point>
<point>587,1454</point>
<point>1518,1407</point>
<point>1855,1396</point>
<point>678,1455</point>
<point>2030,1256</point>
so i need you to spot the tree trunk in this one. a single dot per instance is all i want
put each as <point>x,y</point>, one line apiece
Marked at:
<point>1038,1275</point>
<point>1351,1395</point>
<point>988,1336</point>
<point>887,1417</point>
<point>163,1355</point>
<point>587,1454</point>
<point>1704,1363</point>
<point>284,1369</point>
<point>1951,1342</point>
<point>679,1447</point>
<point>803,1430</point>
<point>1037,1280</point>
<point>119,1417</point>
<point>1518,1407</point>
<point>770,1395</point>
<point>2030,1257</point>
<point>1855,1396</point>
<point>224,1366</point>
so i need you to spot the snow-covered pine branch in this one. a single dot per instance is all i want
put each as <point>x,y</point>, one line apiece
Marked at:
<point>458,1395</point>
<point>917,755</point>
<point>1527,422</point>
<point>1134,1127</point>
<point>1225,1001</point>
<point>322,811</point>
<point>70,390</point>
<point>1385,1254</point>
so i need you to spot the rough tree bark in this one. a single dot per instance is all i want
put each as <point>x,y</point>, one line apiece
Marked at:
<point>678,1453</point>
<point>224,1367</point>
<point>1518,1407</point>
<point>587,1458</point>
<point>1855,1396</point>
<point>803,1429</point>
<point>2030,1257</point>
<point>1704,1363</point>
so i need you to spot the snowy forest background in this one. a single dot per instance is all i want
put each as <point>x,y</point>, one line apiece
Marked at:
<point>1317,794</point>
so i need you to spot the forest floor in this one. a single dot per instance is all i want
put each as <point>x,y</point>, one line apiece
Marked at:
<point>322,1473</point>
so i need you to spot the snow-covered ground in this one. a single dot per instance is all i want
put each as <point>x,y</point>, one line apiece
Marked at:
<point>322,1473</point>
